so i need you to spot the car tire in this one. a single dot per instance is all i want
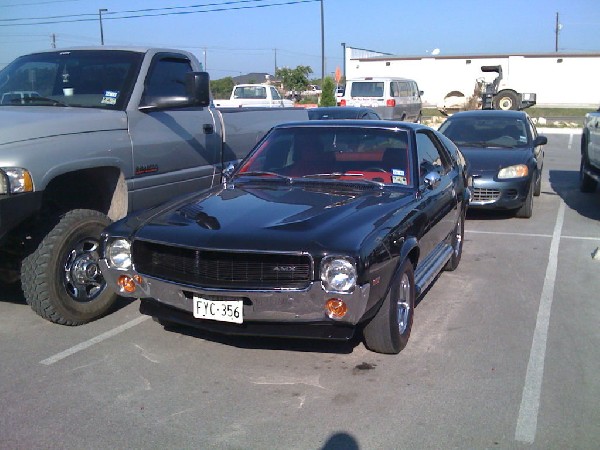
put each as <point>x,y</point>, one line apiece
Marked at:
<point>538,185</point>
<point>586,183</point>
<point>526,211</point>
<point>506,100</point>
<point>458,236</point>
<point>61,279</point>
<point>389,330</point>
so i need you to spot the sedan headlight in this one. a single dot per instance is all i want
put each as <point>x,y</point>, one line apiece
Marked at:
<point>518,171</point>
<point>118,254</point>
<point>338,274</point>
<point>15,180</point>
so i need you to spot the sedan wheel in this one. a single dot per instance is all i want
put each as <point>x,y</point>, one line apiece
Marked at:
<point>389,330</point>
<point>457,243</point>
<point>525,211</point>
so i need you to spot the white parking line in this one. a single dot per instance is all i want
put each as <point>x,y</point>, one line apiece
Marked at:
<point>570,141</point>
<point>503,233</point>
<point>95,340</point>
<point>530,401</point>
<point>509,233</point>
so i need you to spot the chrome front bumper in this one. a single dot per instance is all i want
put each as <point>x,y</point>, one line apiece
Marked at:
<point>286,305</point>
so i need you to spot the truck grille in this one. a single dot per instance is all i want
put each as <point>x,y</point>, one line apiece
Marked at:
<point>219,269</point>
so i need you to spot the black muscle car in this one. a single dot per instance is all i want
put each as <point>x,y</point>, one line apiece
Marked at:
<point>325,228</point>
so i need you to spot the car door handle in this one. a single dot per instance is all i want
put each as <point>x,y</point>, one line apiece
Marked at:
<point>208,128</point>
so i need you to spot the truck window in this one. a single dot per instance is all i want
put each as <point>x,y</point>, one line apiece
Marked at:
<point>166,79</point>
<point>255,92</point>
<point>275,94</point>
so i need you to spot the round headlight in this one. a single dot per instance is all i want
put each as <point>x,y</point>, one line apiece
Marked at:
<point>118,254</point>
<point>338,274</point>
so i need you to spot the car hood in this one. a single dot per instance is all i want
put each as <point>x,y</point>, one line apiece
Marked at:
<point>22,123</point>
<point>259,217</point>
<point>480,160</point>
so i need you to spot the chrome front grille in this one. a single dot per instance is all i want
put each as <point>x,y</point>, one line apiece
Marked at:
<point>222,269</point>
<point>482,195</point>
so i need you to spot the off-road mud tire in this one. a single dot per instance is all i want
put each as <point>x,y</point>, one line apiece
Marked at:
<point>50,289</point>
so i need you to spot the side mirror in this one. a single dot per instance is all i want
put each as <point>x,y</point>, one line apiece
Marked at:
<point>540,140</point>
<point>227,173</point>
<point>432,180</point>
<point>197,88</point>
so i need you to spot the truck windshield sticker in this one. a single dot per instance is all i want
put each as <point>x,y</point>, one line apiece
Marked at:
<point>110,98</point>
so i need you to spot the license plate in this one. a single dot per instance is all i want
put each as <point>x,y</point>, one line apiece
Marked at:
<point>221,310</point>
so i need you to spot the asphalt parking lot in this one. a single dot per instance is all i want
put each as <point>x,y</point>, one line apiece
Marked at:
<point>505,353</point>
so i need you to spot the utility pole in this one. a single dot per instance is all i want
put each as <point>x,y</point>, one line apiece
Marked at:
<point>100,11</point>
<point>275,73</point>
<point>344,60</point>
<point>557,29</point>
<point>322,45</point>
<point>53,40</point>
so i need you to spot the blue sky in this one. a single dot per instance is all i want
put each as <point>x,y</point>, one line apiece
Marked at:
<point>243,37</point>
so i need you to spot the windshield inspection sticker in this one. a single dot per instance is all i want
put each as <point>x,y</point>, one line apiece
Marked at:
<point>110,98</point>
<point>398,176</point>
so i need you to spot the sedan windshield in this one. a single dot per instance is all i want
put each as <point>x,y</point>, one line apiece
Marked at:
<point>338,153</point>
<point>490,132</point>
<point>89,79</point>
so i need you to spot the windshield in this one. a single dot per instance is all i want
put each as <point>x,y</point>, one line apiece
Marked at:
<point>88,79</point>
<point>340,153</point>
<point>487,132</point>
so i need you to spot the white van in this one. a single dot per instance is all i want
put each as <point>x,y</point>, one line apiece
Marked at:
<point>392,98</point>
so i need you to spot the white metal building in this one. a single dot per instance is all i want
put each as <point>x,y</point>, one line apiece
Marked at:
<point>558,79</point>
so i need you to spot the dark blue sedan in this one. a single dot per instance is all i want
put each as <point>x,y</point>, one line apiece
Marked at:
<point>504,156</point>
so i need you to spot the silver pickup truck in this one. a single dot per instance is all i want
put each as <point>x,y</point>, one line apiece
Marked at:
<point>90,134</point>
<point>589,172</point>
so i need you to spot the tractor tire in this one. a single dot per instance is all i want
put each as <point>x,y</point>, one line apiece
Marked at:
<point>506,100</point>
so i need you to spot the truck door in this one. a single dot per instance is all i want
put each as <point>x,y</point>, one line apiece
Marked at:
<point>440,203</point>
<point>174,151</point>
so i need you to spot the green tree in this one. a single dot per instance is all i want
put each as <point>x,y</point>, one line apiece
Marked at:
<point>294,79</point>
<point>328,92</point>
<point>222,88</point>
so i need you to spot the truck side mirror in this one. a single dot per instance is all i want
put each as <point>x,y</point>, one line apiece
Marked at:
<point>197,87</point>
<point>540,140</point>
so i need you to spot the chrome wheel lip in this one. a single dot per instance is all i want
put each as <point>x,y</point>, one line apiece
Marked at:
<point>403,304</point>
<point>458,237</point>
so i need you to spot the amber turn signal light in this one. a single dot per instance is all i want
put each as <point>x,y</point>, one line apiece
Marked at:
<point>336,308</point>
<point>126,283</point>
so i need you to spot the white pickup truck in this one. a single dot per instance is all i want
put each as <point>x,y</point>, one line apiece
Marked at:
<point>254,95</point>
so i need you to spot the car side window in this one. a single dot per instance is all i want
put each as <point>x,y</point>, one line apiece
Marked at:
<point>431,155</point>
<point>166,78</point>
<point>404,89</point>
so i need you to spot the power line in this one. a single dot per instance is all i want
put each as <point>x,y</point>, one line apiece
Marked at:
<point>88,17</point>
<point>37,3</point>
